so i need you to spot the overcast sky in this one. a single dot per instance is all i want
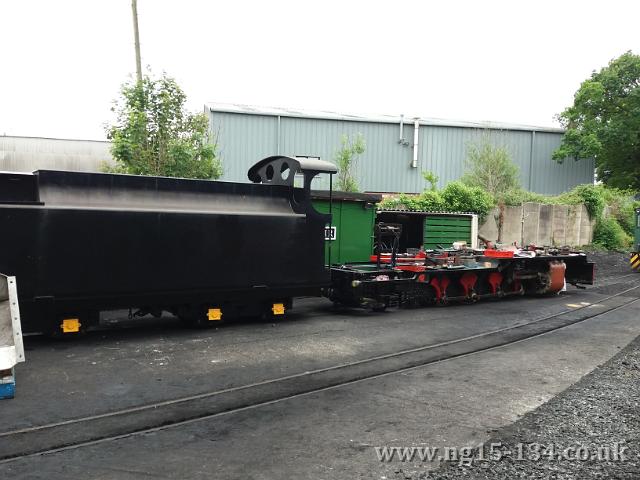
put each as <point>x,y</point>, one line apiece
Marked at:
<point>62,62</point>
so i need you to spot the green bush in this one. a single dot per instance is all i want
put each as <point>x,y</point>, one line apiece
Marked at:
<point>593,198</point>
<point>390,204</point>
<point>615,231</point>
<point>520,196</point>
<point>346,158</point>
<point>410,201</point>
<point>626,217</point>
<point>459,197</point>
<point>622,207</point>
<point>482,203</point>
<point>432,179</point>
<point>455,197</point>
<point>431,200</point>
<point>428,201</point>
<point>610,235</point>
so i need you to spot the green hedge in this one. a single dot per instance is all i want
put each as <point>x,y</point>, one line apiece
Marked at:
<point>613,232</point>
<point>455,197</point>
<point>610,235</point>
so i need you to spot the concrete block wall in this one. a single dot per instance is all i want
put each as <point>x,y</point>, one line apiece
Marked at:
<point>489,228</point>
<point>558,225</point>
<point>586,227</point>
<point>541,225</point>
<point>512,224</point>
<point>530,222</point>
<point>545,224</point>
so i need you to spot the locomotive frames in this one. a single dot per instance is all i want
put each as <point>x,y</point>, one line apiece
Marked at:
<point>440,279</point>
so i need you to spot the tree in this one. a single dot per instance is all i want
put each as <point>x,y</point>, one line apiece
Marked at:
<point>346,159</point>
<point>604,123</point>
<point>490,167</point>
<point>432,179</point>
<point>154,134</point>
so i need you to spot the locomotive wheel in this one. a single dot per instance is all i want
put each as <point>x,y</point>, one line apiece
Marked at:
<point>442,302</point>
<point>472,298</point>
<point>426,302</point>
<point>380,307</point>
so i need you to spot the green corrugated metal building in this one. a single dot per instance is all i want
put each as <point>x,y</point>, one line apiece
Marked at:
<point>398,148</point>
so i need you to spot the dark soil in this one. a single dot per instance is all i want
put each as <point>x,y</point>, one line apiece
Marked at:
<point>610,264</point>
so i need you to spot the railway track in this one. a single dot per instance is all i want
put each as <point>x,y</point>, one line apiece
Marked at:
<point>123,423</point>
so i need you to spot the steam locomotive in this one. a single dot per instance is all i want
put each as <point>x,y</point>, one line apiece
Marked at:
<point>205,251</point>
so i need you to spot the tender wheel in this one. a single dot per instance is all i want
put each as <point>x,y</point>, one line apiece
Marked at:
<point>198,317</point>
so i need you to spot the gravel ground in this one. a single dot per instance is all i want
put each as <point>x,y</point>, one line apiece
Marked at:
<point>609,263</point>
<point>602,409</point>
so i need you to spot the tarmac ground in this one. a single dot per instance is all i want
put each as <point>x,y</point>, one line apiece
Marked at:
<point>309,396</point>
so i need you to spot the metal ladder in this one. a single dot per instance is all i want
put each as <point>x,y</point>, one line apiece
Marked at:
<point>11,347</point>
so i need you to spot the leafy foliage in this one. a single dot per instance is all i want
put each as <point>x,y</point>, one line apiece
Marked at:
<point>154,135</point>
<point>604,123</point>
<point>610,235</point>
<point>597,199</point>
<point>432,179</point>
<point>490,167</point>
<point>455,197</point>
<point>346,159</point>
<point>621,206</point>
<point>431,200</point>
<point>459,197</point>
<point>520,196</point>
<point>594,197</point>
<point>428,200</point>
<point>625,214</point>
<point>613,209</point>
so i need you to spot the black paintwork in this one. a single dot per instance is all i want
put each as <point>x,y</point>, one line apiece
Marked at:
<point>104,241</point>
<point>368,284</point>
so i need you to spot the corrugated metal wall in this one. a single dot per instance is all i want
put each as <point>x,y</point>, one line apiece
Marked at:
<point>26,154</point>
<point>244,139</point>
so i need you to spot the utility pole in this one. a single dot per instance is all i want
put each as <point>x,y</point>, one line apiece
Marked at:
<point>136,34</point>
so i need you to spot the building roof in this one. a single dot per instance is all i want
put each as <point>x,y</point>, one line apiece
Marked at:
<point>324,115</point>
<point>380,209</point>
<point>349,196</point>
<point>31,137</point>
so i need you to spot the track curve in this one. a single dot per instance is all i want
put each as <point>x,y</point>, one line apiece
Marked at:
<point>132,421</point>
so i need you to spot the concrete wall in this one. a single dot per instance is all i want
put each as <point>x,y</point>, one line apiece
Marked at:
<point>541,225</point>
